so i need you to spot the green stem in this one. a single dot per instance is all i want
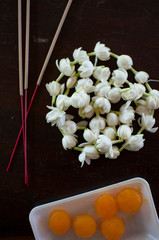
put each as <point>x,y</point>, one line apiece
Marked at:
<point>78,149</point>
<point>146,94</point>
<point>125,90</point>
<point>140,131</point>
<point>133,70</point>
<point>67,91</point>
<point>81,128</point>
<point>73,63</point>
<point>111,82</point>
<point>136,103</point>
<point>53,99</point>
<point>60,77</point>
<point>77,74</point>
<point>116,112</point>
<point>61,131</point>
<point>114,55</point>
<point>91,54</point>
<point>124,146</point>
<point>148,87</point>
<point>117,141</point>
<point>97,112</point>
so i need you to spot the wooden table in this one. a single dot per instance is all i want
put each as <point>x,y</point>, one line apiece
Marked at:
<point>129,27</point>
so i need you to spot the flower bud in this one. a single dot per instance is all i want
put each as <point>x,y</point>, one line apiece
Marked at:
<point>101,74</point>
<point>125,62</point>
<point>147,123</point>
<point>89,136</point>
<point>79,99</point>
<point>54,88</point>
<point>69,141</point>
<point>71,82</point>
<point>113,154</point>
<point>85,84</point>
<point>69,127</point>
<point>101,89</point>
<point>80,56</point>
<point>119,76</point>
<point>86,112</point>
<point>63,102</point>
<point>114,95</point>
<point>86,69</point>
<point>141,77</point>
<point>124,132</point>
<point>129,95</point>
<point>97,123</point>
<point>89,152</point>
<point>152,102</point>
<point>102,104</point>
<point>65,66</point>
<point>135,142</point>
<point>110,133</point>
<point>103,143</point>
<point>112,119</point>
<point>102,52</point>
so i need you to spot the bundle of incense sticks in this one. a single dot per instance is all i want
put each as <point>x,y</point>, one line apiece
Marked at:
<point>27,109</point>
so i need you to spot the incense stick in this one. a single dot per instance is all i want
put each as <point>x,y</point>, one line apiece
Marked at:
<point>41,74</point>
<point>20,63</point>
<point>26,81</point>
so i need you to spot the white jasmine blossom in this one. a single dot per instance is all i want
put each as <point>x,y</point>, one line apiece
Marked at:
<point>86,112</point>
<point>80,55</point>
<point>89,136</point>
<point>102,104</point>
<point>110,133</point>
<point>112,119</point>
<point>65,67</point>
<point>114,153</point>
<point>69,141</point>
<point>104,144</point>
<point>69,128</point>
<point>129,95</point>
<point>88,153</point>
<point>102,52</point>
<point>114,95</point>
<point>97,123</point>
<point>141,77</point>
<point>142,107</point>
<point>125,62</point>
<point>63,102</point>
<point>101,89</point>
<point>79,99</point>
<point>86,69</point>
<point>135,142</point>
<point>154,93</point>
<point>119,76</point>
<point>71,82</point>
<point>54,88</point>
<point>102,74</point>
<point>126,114</point>
<point>124,132</point>
<point>147,122</point>
<point>55,116</point>
<point>152,102</point>
<point>85,84</point>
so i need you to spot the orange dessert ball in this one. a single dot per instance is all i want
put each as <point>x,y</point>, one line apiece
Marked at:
<point>106,206</point>
<point>84,226</point>
<point>113,228</point>
<point>59,221</point>
<point>129,200</point>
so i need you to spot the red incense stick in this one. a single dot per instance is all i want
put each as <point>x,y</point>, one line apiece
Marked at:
<point>20,60</point>
<point>41,74</point>
<point>26,82</point>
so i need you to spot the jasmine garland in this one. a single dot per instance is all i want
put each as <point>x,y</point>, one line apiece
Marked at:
<point>96,91</point>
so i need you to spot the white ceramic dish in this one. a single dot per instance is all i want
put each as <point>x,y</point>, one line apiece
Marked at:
<point>144,225</point>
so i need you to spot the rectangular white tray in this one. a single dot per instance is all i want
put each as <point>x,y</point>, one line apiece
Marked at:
<point>141,226</point>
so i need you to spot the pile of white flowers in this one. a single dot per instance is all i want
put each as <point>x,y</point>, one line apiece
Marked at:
<point>94,92</point>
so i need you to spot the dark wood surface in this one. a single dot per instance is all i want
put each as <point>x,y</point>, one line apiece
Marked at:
<point>129,27</point>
